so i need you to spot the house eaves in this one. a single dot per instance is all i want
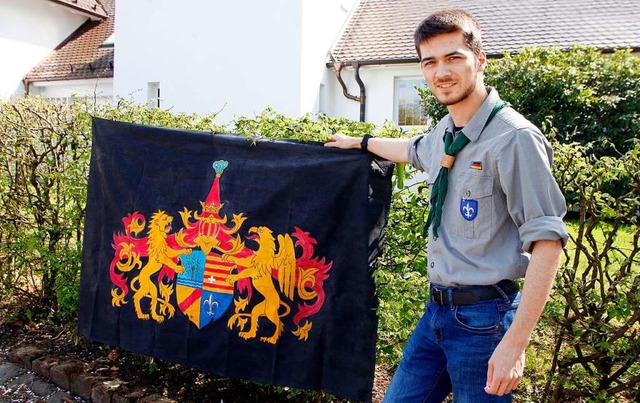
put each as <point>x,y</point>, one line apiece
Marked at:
<point>91,8</point>
<point>381,31</point>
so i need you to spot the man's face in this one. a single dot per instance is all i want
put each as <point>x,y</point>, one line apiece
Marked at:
<point>450,68</point>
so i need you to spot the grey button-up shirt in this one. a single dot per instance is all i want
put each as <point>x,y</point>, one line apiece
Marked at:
<point>501,198</point>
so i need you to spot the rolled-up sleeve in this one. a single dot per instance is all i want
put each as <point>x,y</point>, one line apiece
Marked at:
<point>417,152</point>
<point>534,200</point>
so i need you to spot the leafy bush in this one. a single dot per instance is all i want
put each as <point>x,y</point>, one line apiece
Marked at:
<point>589,97</point>
<point>273,125</point>
<point>45,154</point>
<point>595,309</point>
<point>401,275</point>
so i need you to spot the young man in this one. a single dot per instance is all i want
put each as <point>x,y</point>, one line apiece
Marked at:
<point>490,209</point>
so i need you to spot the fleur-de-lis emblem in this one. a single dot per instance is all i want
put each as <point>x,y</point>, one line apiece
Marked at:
<point>211,303</point>
<point>469,209</point>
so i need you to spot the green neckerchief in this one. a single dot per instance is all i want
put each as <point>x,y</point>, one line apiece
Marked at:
<point>439,191</point>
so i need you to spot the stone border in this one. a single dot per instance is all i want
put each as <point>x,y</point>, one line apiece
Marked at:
<point>71,375</point>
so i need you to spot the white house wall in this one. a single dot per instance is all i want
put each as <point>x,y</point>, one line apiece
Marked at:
<point>29,31</point>
<point>322,22</point>
<point>98,89</point>
<point>233,57</point>
<point>379,84</point>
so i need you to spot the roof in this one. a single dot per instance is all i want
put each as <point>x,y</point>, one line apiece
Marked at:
<point>81,55</point>
<point>91,7</point>
<point>381,31</point>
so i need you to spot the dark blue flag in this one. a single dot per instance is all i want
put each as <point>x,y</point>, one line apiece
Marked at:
<point>247,260</point>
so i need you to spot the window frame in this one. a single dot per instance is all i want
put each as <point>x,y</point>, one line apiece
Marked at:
<point>396,100</point>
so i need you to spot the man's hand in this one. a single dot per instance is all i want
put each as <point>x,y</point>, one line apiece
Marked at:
<point>506,364</point>
<point>506,367</point>
<point>341,141</point>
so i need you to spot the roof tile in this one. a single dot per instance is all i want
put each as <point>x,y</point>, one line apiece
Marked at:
<point>383,29</point>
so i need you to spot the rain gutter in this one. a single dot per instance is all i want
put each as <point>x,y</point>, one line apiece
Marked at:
<point>362,98</point>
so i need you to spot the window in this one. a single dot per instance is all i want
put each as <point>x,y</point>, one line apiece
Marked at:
<point>408,111</point>
<point>153,95</point>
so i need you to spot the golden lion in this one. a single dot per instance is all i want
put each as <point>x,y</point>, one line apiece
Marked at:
<point>259,268</point>
<point>160,254</point>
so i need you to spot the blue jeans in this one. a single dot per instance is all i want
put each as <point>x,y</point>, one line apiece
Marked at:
<point>449,351</point>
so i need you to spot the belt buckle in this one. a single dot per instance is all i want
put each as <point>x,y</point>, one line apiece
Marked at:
<point>440,294</point>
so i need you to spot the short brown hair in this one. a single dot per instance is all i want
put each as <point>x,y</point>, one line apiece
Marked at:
<point>447,21</point>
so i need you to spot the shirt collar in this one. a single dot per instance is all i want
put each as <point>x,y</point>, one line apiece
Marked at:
<point>473,129</point>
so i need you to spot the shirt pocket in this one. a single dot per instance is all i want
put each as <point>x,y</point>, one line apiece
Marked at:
<point>473,208</point>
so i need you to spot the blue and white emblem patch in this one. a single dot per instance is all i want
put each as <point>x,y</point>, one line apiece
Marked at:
<point>469,209</point>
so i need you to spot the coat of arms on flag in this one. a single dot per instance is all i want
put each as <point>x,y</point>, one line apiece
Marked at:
<point>247,261</point>
<point>210,258</point>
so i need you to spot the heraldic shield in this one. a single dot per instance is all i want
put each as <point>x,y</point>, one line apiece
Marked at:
<point>201,289</point>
